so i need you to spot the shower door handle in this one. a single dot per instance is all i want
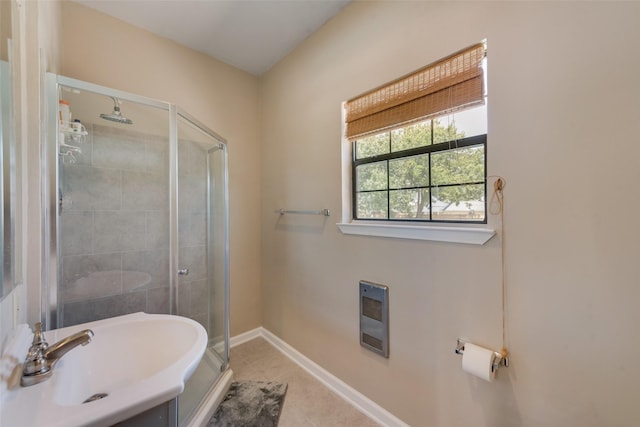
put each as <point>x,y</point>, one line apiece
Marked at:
<point>183,272</point>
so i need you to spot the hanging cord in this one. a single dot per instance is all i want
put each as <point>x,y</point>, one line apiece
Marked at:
<point>496,207</point>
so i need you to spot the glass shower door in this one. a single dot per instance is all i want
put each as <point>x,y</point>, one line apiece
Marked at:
<point>202,254</point>
<point>113,207</point>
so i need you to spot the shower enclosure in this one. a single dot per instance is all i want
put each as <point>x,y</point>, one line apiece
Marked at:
<point>136,220</point>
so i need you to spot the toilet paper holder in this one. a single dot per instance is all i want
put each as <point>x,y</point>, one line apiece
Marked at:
<point>498,360</point>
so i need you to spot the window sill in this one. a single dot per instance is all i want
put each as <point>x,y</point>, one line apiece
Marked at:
<point>470,236</point>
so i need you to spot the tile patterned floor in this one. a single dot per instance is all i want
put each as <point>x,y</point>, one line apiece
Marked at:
<point>308,402</point>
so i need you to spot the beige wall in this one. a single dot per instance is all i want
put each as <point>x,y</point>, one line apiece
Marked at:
<point>563,108</point>
<point>5,28</point>
<point>102,50</point>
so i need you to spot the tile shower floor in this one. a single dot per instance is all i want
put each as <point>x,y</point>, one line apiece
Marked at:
<point>308,402</point>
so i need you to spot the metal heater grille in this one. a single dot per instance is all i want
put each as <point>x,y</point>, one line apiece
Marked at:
<point>374,317</point>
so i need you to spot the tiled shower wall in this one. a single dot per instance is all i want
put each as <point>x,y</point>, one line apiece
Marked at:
<point>115,229</point>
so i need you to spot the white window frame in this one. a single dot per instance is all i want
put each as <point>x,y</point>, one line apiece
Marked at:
<point>458,233</point>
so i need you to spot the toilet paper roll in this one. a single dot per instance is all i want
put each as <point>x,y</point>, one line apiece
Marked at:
<point>478,361</point>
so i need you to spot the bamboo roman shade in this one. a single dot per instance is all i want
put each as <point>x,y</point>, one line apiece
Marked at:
<point>447,85</point>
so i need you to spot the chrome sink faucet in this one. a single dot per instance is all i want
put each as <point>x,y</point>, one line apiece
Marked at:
<point>41,358</point>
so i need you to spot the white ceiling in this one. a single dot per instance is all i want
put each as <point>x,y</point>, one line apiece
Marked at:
<point>252,35</point>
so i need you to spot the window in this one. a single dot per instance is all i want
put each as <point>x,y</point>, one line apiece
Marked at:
<point>434,170</point>
<point>419,144</point>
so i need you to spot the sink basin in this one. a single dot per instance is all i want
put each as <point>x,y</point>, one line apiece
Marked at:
<point>133,363</point>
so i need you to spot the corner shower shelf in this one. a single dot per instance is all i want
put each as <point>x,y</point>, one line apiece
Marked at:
<point>69,130</point>
<point>71,134</point>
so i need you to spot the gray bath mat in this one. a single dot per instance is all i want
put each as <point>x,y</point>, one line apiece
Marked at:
<point>250,404</point>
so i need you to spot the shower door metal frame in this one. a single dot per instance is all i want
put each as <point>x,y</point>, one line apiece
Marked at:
<point>222,144</point>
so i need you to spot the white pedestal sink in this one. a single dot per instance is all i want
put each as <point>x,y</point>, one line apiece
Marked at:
<point>138,361</point>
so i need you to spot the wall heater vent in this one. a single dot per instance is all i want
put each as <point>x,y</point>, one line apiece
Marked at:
<point>374,317</point>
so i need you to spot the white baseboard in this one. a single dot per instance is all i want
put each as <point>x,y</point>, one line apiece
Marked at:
<point>348,393</point>
<point>246,336</point>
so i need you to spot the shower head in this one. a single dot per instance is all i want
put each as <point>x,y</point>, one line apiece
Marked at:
<point>116,116</point>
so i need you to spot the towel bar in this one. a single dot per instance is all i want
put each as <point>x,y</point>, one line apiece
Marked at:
<point>324,212</point>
